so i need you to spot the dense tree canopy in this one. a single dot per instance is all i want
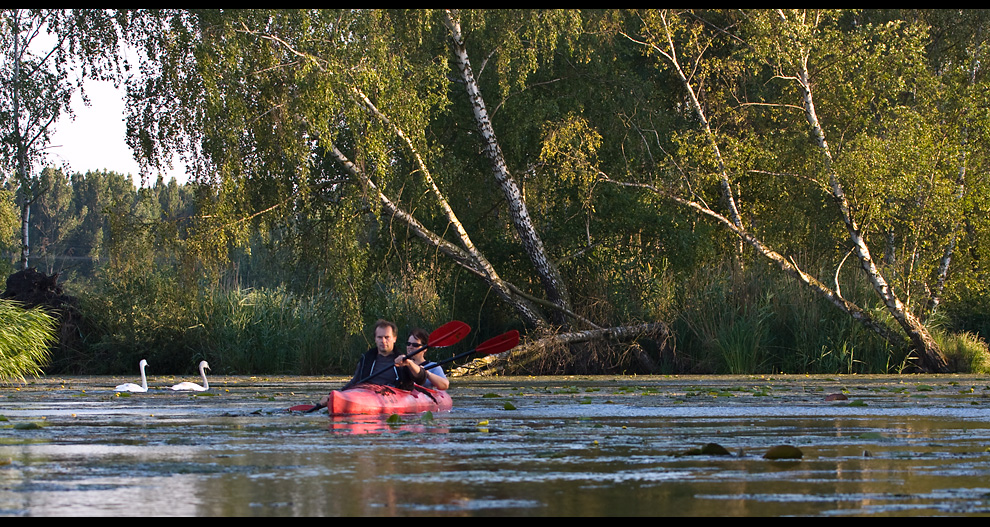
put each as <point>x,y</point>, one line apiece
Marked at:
<point>577,173</point>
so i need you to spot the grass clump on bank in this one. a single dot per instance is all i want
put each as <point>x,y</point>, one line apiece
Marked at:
<point>25,336</point>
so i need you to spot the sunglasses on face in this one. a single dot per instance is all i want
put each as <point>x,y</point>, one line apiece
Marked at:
<point>411,343</point>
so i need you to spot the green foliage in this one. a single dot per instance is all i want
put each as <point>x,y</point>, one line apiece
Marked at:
<point>272,259</point>
<point>153,317</point>
<point>133,317</point>
<point>25,336</point>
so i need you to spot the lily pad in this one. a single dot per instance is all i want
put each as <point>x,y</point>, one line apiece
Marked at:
<point>27,426</point>
<point>784,452</point>
<point>714,449</point>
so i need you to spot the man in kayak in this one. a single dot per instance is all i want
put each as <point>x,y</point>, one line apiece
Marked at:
<point>435,378</point>
<point>377,360</point>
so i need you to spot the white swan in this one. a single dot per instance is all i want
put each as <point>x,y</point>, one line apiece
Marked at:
<point>191,386</point>
<point>130,386</point>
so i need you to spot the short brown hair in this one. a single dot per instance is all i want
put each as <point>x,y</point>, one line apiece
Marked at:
<point>382,323</point>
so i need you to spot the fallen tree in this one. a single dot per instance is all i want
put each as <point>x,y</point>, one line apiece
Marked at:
<point>522,356</point>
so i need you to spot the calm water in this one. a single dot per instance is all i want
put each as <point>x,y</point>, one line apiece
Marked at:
<point>560,446</point>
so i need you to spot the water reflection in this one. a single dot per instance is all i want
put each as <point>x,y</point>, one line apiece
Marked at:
<point>385,424</point>
<point>563,446</point>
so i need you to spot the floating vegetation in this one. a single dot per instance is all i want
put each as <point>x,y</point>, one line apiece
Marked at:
<point>783,452</point>
<point>709,449</point>
<point>28,426</point>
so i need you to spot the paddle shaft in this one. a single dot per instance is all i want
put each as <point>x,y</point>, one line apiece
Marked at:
<point>431,365</point>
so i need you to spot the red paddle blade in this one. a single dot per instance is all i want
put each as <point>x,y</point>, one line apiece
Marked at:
<point>301,408</point>
<point>448,334</point>
<point>503,342</point>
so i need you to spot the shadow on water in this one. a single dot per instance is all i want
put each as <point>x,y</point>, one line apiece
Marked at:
<point>559,446</point>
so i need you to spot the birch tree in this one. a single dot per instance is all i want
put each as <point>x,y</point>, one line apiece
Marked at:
<point>958,48</point>
<point>335,109</point>
<point>773,65</point>
<point>47,54</point>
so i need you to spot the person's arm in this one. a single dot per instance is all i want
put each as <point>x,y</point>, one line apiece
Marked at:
<point>419,375</point>
<point>437,378</point>
<point>357,372</point>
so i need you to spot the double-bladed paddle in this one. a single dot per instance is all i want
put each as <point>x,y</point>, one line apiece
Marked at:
<point>446,335</point>
<point>503,342</point>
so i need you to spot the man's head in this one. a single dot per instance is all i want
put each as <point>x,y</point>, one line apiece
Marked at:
<point>385,334</point>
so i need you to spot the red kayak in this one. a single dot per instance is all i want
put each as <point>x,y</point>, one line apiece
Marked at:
<point>377,399</point>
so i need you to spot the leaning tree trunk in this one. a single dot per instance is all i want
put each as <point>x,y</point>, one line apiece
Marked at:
<point>520,355</point>
<point>468,258</point>
<point>550,278</point>
<point>930,355</point>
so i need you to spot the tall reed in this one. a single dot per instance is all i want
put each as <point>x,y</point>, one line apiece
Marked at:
<point>759,321</point>
<point>270,331</point>
<point>238,331</point>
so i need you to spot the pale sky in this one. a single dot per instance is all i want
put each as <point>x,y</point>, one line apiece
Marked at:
<point>95,139</point>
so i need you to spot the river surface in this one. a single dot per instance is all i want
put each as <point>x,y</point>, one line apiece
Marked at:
<point>512,446</point>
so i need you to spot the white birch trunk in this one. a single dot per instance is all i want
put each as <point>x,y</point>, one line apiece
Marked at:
<point>942,274</point>
<point>931,356</point>
<point>549,275</point>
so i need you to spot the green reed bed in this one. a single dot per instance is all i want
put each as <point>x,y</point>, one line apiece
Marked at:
<point>754,321</point>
